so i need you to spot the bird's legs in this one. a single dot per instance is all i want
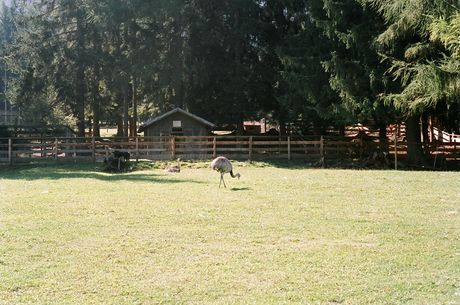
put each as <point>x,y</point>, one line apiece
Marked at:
<point>222,180</point>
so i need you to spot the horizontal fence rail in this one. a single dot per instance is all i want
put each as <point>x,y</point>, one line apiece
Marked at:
<point>16,150</point>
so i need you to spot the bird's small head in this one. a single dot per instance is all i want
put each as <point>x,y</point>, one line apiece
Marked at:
<point>238,176</point>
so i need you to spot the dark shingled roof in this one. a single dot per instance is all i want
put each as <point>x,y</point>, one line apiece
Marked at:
<point>161,117</point>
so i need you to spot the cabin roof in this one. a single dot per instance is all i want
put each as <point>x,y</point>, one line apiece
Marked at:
<point>167,114</point>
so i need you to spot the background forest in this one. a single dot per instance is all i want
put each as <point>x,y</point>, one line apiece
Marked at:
<point>306,64</point>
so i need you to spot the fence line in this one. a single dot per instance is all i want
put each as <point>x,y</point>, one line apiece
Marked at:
<point>442,136</point>
<point>13,150</point>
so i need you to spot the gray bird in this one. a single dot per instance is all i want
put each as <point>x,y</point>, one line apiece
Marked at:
<point>223,166</point>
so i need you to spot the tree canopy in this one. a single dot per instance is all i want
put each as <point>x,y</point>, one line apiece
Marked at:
<point>304,64</point>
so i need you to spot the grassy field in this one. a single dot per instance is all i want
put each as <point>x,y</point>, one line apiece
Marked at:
<point>73,235</point>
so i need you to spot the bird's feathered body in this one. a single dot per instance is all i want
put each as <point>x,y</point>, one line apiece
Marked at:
<point>223,166</point>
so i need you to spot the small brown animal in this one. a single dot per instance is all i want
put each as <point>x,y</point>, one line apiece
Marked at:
<point>173,168</point>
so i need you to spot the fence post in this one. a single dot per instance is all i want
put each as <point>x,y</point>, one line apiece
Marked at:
<point>455,150</point>
<point>321,147</point>
<point>214,147</point>
<point>396,147</point>
<point>74,147</point>
<point>55,149</point>
<point>436,155</point>
<point>250,148</point>
<point>173,147</point>
<point>10,151</point>
<point>93,148</point>
<point>289,147</point>
<point>42,146</point>
<point>137,149</point>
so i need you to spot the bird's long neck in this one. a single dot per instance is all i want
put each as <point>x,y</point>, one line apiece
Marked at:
<point>231,174</point>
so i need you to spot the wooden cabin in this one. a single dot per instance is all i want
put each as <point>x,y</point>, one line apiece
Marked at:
<point>177,122</point>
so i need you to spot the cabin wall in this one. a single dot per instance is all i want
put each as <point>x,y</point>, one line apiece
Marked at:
<point>164,127</point>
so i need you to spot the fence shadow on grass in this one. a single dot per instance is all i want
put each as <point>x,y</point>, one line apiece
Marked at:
<point>355,164</point>
<point>32,172</point>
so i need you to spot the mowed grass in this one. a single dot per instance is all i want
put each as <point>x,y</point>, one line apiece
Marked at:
<point>70,234</point>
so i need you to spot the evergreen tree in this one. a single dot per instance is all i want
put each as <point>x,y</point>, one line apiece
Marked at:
<point>356,72</point>
<point>406,44</point>
<point>303,95</point>
<point>310,63</point>
<point>49,57</point>
<point>228,72</point>
<point>446,78</point>
<point>7,29</point>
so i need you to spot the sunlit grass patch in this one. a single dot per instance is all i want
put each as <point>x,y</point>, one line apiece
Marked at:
<point>71,234</point>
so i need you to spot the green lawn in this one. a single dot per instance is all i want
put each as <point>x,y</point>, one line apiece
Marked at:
<point>73,235</point>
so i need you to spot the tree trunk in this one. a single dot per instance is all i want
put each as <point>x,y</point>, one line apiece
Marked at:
<point>281,118</point>
<point>383,139</point>
<point>119,125</point>
<point>425,128</point>
<point>237,83</point>
<point>134,120</point>
<point>178,65</point>
<point>96,117</point>
<point>415,155</point>
<point>282,127</point>
<point>132,127</point>
<point>96,103</point>
<point>80,101</point>
<point>125,113</point>
<point>80,77</point>
<point>240,128</point>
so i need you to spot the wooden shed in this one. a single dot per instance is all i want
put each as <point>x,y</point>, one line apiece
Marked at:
<point>176,122</point>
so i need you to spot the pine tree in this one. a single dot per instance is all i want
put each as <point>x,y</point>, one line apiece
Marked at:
<point>7,29</point>
<point>446,78</point>
<point>406,44</point>
<point>303,95</point>
<point>356,71</point>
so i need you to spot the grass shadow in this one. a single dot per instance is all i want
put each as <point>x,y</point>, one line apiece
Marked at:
<point>233,189</point>
<point>58,171</point>
<point>346,164</point>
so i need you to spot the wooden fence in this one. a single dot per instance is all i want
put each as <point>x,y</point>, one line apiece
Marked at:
<point>442,136</point>
<point>16,150</point>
